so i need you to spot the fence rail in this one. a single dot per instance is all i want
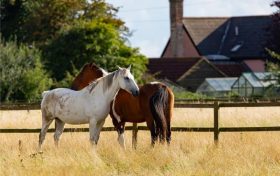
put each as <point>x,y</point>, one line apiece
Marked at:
<point>192,103</point>
<point>220,99</point>
<point>216,129</point>
<point>129,128</point>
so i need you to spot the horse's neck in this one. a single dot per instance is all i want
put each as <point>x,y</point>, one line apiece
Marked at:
<point>98,90</point>
<point>111,92</point>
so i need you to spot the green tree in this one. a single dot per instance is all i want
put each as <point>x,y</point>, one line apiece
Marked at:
<point>39,21</point>
<point>93,41</point>
<point>273,42</point>
<point>22,75</point>
<point>274,67</point>
<point>12,18</point>
<point>71,33</point>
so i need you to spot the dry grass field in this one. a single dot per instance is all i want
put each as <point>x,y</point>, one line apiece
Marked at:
<point>190,153</point>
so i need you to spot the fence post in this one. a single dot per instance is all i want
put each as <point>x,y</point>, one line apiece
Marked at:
<point>216,121</point>
<point>134,135</point>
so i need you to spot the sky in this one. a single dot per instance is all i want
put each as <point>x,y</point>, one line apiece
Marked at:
<point>149,19</point>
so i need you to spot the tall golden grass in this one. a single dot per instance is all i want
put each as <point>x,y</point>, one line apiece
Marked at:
<point>190,153</point>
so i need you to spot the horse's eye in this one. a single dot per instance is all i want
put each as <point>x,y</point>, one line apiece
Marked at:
<point>126,78</point>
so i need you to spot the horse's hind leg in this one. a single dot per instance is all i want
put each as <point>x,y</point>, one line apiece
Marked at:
<point>45,125</point>
<point>59,127</point>
<point>168,135</point>
<point>168,115</point>
<point>152,127</point>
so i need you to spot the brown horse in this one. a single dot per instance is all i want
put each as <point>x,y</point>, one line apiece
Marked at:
<point>154,105</point>
<point>89,73</point>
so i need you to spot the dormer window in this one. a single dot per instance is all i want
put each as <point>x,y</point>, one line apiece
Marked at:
<point>236,47</point>
<point>236,31</point>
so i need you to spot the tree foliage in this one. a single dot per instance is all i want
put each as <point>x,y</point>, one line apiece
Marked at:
<point>274,39</point>
<point>22,75</point>
<point>92,41</point>
<point>273,47</point>
<point>42,20</point>
<point>12,18</point>
<point>68,33</point>
<point>274,67</point>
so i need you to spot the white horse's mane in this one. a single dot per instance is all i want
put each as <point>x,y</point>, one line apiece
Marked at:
<point>107,79</point>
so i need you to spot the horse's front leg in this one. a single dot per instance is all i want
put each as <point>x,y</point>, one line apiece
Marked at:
<point>94,130</point>
<point>121,139</point>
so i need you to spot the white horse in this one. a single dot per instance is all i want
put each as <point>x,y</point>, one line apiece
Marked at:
<point>89,105</point>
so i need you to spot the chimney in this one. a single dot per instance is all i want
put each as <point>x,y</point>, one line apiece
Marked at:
<point>176,22</point>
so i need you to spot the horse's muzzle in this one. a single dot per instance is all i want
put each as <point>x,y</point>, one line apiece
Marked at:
<point>135,92</point>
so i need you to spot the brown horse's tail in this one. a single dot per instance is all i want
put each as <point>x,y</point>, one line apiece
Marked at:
<point>158,104</point>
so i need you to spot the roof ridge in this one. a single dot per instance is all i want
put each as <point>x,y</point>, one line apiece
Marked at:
<point>224,17</point>
<point>173,58</point>
<point>223,78</point>
<point>205,17</point>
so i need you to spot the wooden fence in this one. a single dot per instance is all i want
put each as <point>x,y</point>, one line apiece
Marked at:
<point>213,105</point>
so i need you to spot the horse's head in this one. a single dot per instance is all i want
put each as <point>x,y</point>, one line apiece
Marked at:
<point>90,72</point>
<point>127,82</point>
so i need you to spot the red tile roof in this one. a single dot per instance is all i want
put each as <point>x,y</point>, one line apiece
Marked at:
<point>231,69</point>
<point>171,68</point>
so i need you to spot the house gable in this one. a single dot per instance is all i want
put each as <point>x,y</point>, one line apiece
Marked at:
<point>171,68</point>
<point>195,76</point>
<point>231,68</point>
<point>189,48</point>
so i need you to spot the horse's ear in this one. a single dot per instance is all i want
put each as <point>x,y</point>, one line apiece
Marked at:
<point>129,67</point>
<point>120,68</point>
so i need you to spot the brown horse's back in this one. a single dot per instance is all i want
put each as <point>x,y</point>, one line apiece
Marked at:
<point>148,90</point>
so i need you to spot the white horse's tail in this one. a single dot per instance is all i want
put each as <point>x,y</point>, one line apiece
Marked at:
<point>45,93</point>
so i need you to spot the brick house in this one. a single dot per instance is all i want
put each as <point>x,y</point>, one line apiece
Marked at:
<point>221,47</point>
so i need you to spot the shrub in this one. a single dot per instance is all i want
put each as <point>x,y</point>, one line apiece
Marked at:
<point>22,74</point>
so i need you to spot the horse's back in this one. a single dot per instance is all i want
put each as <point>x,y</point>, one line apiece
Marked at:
<point>58,92</point>
<point>52,97</point>
<point>66,104</point>
<point>147,91</point>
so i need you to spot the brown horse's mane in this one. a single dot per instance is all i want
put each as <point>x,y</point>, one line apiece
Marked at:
<point>107,81</point>
<point>90,65</point>
<point>80,78</point>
